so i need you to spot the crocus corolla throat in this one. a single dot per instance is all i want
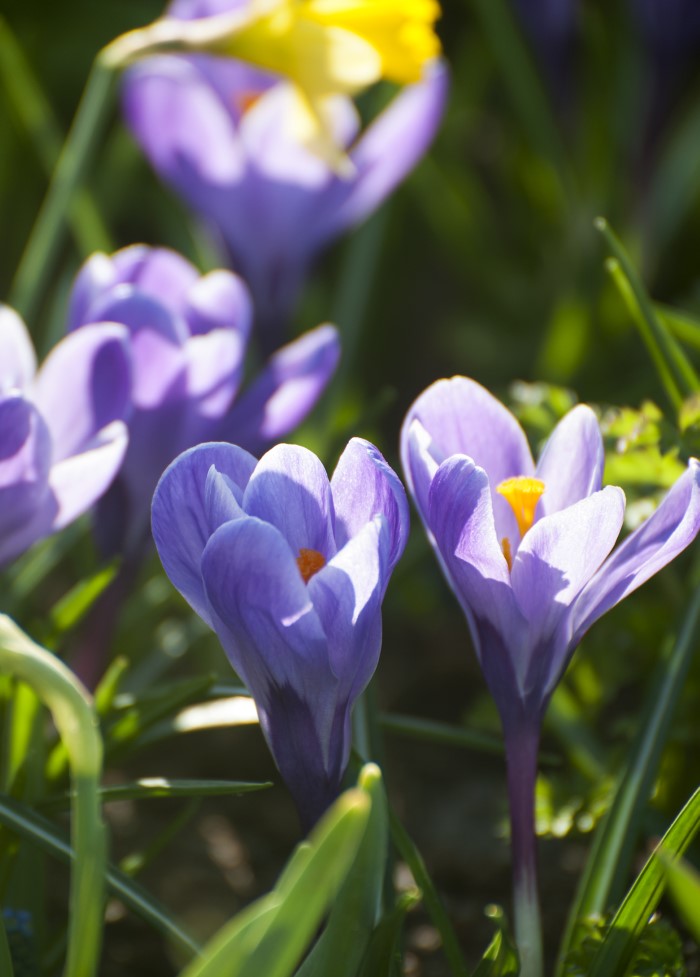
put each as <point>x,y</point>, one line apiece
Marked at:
<point>527,551</point>
<point>290,570</point>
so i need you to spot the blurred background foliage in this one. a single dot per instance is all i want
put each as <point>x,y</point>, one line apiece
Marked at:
<point>486,262</point>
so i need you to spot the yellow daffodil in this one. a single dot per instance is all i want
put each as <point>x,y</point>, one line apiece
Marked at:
<point>332,47</point>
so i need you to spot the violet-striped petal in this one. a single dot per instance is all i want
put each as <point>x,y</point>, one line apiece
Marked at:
<point>347,595</point>
<point>554,562</point>
<point>290,490</point>
<point>274,637</point>
<point>664,535</point>
<point>460,416</point>
<point>182,520</point>
<point>362,486</point>
<point>571,464</point>
<point>461,517</point>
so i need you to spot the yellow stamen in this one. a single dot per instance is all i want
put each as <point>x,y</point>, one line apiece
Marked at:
<point>309,563</point>
<point>522,494</point>
<point>507,552</point>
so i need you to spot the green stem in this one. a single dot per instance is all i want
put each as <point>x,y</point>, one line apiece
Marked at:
<point>76,722</point>
<point>413,858</point>
<point>522,743</point>
<point>35,114</point>
<point>676,372</point>
<point>41,250</point>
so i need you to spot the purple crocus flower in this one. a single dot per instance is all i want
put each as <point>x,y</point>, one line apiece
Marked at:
<point>526,550</point>
<point>62,431</point>
<point>187,338</point>
<point>216,131</point>
<point>290,571</point>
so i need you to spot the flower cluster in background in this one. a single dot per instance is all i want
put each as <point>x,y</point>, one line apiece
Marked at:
<point>230,268</point>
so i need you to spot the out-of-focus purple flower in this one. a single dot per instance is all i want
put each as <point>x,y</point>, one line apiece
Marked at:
<point>187,338</point>
<point>526,550</point>
<point>215,131</point>
<point>62,430</point>
<point>290,571</point>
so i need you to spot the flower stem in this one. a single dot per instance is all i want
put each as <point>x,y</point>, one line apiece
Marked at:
<point>75,719</point>
<point>41,250</point>
<point>521,751</point>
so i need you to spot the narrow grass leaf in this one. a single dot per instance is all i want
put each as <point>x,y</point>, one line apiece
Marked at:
<point>383,956</point>
<point>684,887</point>
<point>617,949</point>
<point>413,858</point>
<point>39,831</point>
<point>674,368</point>
<point>356,908</point>
<point>270,936</point>
<point>614,841</point>
<point>500,958</point>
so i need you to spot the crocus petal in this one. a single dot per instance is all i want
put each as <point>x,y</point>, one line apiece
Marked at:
<point>666,533</point>
<point>347,595</point>
<point>571,464</point>
<point>182,521</point>
<point>214,368</point>
<point>78,481</point>
<point>461,516</point>
<point>274,636</point>
<point>181,124</point>
<point>159,273</point>
<point>219,300</point>
<point>272,148</point>
<point>94,278</point>
<point>389,150</point>
<point>284,392</point>
<point>84,385</point>
<point>554,562</point>
<point>290,490</point>
<point>17,357</point>
<point>363,486</point>
<point>459,416</point>
<point>25,458</point>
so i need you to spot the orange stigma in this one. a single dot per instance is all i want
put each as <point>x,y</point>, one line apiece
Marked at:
<point>505,546</point>
<point>522,494</point>
<point>309,563</point>
<point>244,101</point>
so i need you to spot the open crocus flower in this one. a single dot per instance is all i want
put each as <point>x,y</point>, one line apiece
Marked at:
<point>62,431</point>
<point>187,338</point>
<point>323,49</point>
<point>290,571</point>
<point>215,130</point>
<point>526,550</point>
